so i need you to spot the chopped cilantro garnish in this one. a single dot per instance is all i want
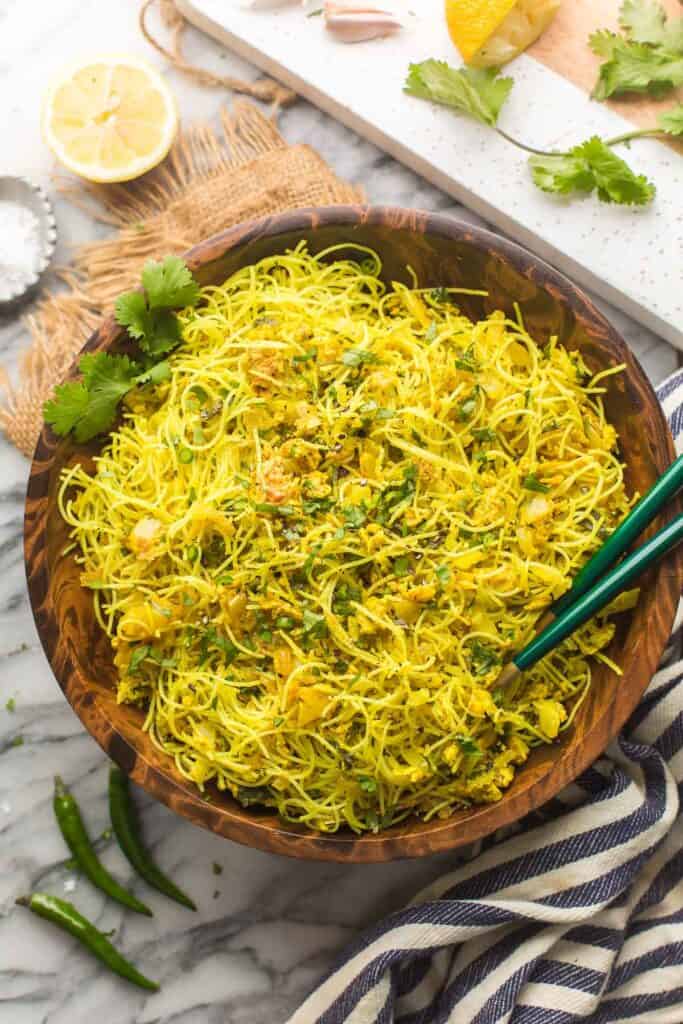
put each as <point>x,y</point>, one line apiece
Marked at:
<point>467,407</point>
<point>307,357</point>
<point>394,494</point>
<point>466,361</point>
<point>138,655</point>
<point>358,357</point>
<point>313,506</point>
<point>483,659</point>
<point>314,625</point>
<point>355,516</point>
<point>468,745</point>
<point>484,434</point>
<point>532,483</point>
<point>248,795</point>
<point>274,510</point>
<point>285,622</point>
<point>308,564</point>
<point>211,638</point>
<point>431,332</point>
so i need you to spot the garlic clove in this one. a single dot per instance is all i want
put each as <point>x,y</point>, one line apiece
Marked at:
<point>353,24</point>
<point>268,5</point>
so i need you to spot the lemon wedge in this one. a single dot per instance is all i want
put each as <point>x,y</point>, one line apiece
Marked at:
<point>492,32</point>
<point>110,118</point>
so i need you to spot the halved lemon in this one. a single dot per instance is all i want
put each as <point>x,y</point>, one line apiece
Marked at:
<point>492,32</point>
<point>110,118</point>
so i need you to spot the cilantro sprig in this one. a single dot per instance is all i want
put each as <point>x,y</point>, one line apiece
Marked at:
<point>88,407</point>
<point>647,58</point>
<point>588,167</point>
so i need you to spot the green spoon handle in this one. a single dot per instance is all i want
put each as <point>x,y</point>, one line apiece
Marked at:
<point>601,594</point>
<point>640,516</point>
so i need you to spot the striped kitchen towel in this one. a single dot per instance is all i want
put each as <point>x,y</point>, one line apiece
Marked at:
<point>576,916</point>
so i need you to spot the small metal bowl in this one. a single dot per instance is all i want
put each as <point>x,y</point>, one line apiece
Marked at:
<point>25,193</point>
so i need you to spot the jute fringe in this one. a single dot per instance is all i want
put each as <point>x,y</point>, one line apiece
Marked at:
<point>209,182</point>
<point>265,89</point>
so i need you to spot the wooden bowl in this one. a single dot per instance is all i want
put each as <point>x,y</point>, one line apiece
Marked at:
<point>441,251</point>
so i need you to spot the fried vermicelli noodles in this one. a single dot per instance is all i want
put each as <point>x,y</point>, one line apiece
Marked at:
<point>316,543</point>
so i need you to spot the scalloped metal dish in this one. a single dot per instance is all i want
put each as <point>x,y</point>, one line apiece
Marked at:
<point>26,193</point>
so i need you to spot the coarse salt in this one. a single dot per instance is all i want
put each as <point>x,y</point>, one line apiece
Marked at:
<point>20,247</point>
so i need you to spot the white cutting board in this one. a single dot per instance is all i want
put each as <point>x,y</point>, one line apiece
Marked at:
<point>633,258</point>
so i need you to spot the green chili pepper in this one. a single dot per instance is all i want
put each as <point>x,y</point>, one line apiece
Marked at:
<point>71,824</point>
<point>67,917</point>
<point>126,829</point>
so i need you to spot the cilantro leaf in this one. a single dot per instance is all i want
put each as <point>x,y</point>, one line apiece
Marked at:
<point>592,165</point>
<point>646,22</point>
<point>164,335</point>
<point>633,67</point>
<point>562,174</point>
<point>671,121</point>
<point>132,313</point>
<point>67,407</point>
<point>155,374</point>
<point>614,179</point>
<point>147,315</point>
<point>169,284</point>
<point>90,407</point>
<point>478,92</point>
<point>367,784</point>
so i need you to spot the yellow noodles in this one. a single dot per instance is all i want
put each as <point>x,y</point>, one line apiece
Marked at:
<point>315,544</point>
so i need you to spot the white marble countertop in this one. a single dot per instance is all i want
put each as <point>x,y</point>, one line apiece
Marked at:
<point>267,927</point>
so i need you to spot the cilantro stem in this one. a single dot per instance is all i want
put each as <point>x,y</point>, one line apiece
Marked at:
<point>638,134</point>
<point>523,145</point>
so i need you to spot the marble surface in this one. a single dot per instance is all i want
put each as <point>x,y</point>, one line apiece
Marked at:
<point>267,927</point>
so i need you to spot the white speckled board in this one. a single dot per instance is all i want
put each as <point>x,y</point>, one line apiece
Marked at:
<point>633,258</point>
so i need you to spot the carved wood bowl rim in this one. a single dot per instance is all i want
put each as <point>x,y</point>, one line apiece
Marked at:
<point>411,839</point>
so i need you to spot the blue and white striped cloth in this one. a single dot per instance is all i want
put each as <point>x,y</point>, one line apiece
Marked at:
<point>576,916</point>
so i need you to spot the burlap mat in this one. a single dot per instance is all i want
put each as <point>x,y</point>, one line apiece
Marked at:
<point>208,182</point>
